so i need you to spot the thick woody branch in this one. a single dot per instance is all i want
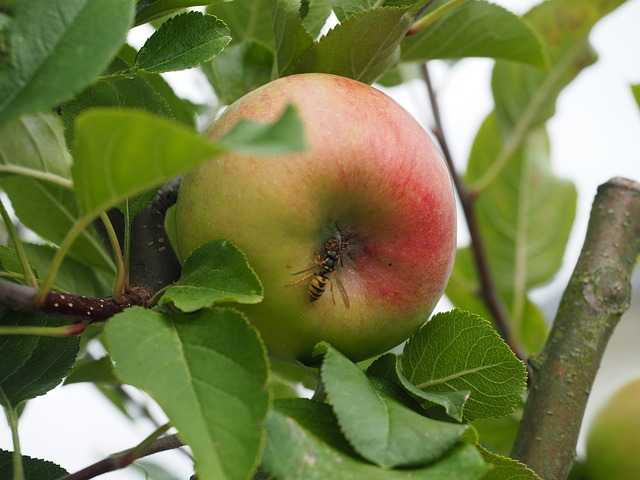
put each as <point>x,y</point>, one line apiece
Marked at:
<point>153,262</point>
<point>597,295</point>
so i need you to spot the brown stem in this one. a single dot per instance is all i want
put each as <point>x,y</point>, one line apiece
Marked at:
<point>77,307</point>
<point>125,458</point>
<point>488,289</point>
<point>597,295</point>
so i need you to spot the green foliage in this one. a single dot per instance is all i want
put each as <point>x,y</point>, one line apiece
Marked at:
<point>208,371</point>
<point>240,69</point>
<point>526,234</point>
<point>34,468</point>
<point>504,468</point>
<point>148,10</point>
<point>23,358</point>
<point>493,375</point>
<point>135,93</point>
<point>382,424</point>
<point>304,441</point>
<point>34,146</point>
<point>202,37</point>
<point>473,29</point>
<point>88,124</point>
<point>50,211</point>
<point>636,93</point>
<point>351,51</point>
<point>45,65</point>
<point>217,272</point>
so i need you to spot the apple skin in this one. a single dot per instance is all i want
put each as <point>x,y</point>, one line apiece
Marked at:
<point>370,171</point>
<point>613,439</point>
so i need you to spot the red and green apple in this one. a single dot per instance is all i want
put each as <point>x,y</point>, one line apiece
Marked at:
<point>371,177</point>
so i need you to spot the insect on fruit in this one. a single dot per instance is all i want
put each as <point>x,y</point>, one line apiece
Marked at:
<point>334,250</point>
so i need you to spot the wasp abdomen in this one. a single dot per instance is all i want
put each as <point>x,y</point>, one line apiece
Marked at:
<point>317,286</point>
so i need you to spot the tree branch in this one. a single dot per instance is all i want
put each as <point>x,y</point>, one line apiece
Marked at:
<point>153,261</point>
<point>597,295</point>
<point>76,307</point>
<point>125,458</point>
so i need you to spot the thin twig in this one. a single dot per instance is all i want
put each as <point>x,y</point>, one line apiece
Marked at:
<point>597,295</point>
<point>488,290</point>
<point>125,458</point>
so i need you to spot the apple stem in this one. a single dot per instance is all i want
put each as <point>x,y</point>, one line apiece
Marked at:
<point>488,290</point>
<point>597,295</point>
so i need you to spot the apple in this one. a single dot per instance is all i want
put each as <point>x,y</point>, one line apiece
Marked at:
<point>613,438</point>
<point>370,179</point>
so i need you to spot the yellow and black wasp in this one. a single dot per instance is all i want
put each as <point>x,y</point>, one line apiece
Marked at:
<point>333,258</point>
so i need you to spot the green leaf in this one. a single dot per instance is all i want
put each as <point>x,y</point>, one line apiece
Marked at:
<point>635,89</point>
<point>291,37</point>
<point>350,50</point>
<point>73,276</point>
<point>345,8</point>
<point>131,93</point>
<point>499,434</point>
<point>524,231</point>
<point>457,351</point>
<point>284,136</point>
<point>474,29</point>
<point>376,421</point>
<point>388,367</point>
<point>34,146</point>
<point>463,290</point>
<point>148,10</point>
<point>100,371</point>
<point>182,42</point>
<point>505,468</point>
<point>314,15</point>
<point>530,97</point>
<point>30,366</point>
<point>208,372</point>
<point>247,20</point>
<point>304,441</point>
<point>50,211</point>
<point>119,153</point>
<point>239,69</point>
<point>214,273</point>
<point>46,65</point>
<point>9,260</point>
<point>34,468</point>
<point>182,109</point>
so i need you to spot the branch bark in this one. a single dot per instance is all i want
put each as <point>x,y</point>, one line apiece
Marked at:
<point>75,307</point>
<point>125,458</point>
<point>597,295</point>
<point>153,262</point>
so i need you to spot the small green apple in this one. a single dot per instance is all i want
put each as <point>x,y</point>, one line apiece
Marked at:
<point>370,178</point>
<point>613,440</point>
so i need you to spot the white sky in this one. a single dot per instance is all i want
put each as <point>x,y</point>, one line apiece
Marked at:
<point>595,135</point>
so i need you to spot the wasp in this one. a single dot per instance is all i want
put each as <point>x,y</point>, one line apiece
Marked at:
<point>332,258</point>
